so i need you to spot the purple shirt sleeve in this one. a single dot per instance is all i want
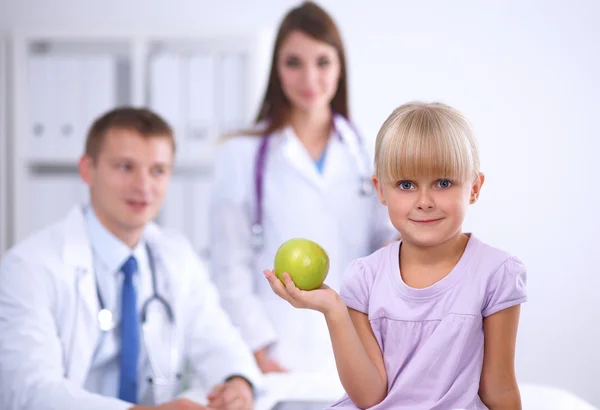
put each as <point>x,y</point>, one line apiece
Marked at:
<point>356,287</point>
<point>506,287</point>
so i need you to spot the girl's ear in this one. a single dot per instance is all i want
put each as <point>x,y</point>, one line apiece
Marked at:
<point>379,189</point>
<point>476,187</point>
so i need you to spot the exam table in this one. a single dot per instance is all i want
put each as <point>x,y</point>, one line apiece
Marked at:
<point>309,391</point>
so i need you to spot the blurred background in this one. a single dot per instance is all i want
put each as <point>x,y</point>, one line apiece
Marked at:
<point>525,72</point>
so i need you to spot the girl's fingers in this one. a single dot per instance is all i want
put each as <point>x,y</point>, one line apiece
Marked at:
<point>278,287</point>
<point>286,290</point>
<point>269,275</point>
<point>291,287</point>
<point>287,279</point>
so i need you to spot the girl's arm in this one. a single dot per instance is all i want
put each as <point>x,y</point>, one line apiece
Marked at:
<point>357,354</point>
<point>358,357</point>
<point>498,388</point>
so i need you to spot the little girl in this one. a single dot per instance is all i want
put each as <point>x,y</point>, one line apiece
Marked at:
<point>428,322</point>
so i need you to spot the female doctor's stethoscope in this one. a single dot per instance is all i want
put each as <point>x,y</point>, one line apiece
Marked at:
<point>365,183</point>
<point>107,323</point>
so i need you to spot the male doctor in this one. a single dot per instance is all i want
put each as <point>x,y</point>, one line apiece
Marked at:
<point>104,310</point>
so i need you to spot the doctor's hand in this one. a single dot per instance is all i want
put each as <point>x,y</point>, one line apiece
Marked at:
<point>180,404</point>
<point>323,299</point>
<point>235,394</point>
<point>266,364</point>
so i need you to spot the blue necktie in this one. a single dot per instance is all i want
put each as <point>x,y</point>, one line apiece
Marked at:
<point>130,335</point>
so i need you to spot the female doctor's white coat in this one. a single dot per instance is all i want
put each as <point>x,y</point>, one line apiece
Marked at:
<point>49,327</point>
<point>298,201</point>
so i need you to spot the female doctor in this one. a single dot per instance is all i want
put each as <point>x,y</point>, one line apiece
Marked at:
<point>303,171</point>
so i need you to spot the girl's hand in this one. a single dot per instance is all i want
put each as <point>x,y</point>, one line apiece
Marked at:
<point>323,299</point>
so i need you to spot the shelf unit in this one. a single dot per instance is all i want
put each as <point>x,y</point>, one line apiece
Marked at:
<point>158,70</point>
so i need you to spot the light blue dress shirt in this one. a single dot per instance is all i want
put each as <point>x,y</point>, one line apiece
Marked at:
<point>110,254</point>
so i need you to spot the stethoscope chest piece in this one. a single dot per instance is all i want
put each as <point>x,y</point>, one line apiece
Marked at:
<point>366,187</point>
<point>106,320</point>
<point>257,236</point>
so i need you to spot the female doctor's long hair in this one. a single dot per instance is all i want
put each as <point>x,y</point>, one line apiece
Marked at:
<point>313,21</point>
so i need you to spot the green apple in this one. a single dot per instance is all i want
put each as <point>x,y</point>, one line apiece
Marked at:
<point>305,261</point>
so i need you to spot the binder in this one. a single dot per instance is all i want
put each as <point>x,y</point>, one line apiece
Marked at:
<point>201,107</point>
<point>65,135</point>
<point>98,93</point>
<point>42,73</point>
<point>166,92</point>
<point>66,93</point>
<point>232,91</point>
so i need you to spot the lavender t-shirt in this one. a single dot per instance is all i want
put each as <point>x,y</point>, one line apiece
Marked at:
<point>432,338</point>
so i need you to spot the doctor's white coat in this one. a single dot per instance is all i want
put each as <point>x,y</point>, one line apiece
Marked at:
<point>298,201</point>
<point>49,327</point>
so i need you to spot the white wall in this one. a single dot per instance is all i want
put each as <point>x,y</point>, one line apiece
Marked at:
<point>525,72</point>
<point>3,148</point>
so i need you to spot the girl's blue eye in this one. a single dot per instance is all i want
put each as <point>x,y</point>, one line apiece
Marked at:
<point>123,166</point>
<point>405,185</point>
<point>444,183</point>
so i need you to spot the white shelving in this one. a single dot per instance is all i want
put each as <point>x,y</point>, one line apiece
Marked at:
<point>203,106</point>
<point>63,79</point>
<point>68,85</point>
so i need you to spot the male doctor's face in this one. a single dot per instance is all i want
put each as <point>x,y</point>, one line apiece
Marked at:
<point>128,180</point>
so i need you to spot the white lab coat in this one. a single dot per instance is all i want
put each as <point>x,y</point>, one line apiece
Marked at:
<point>298,201</point>
<point>49,327</point>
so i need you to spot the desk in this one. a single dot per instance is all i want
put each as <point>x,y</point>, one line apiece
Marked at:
<point>307,387</point>
<point>318,388</point>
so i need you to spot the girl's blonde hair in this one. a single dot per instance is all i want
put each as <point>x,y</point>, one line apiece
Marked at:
<point>426,140</point>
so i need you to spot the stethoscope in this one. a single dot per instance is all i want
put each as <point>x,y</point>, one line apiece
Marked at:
<point>106,323</point>
<point>365,179</point>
